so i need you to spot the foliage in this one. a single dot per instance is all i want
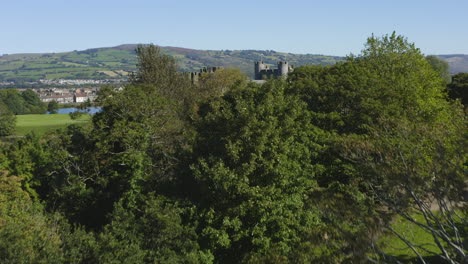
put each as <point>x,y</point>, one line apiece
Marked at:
<point>458,89</point>
<point>26,102</point>
<point>254,175</point>
<point>84,171</point>
<point>13,100</point>
<point>7,121</point>
<point>387,96</point>
<point>33,102</point>
<point>52,107</point>
<point>440,66</point>
<point>312,169</point>
<point>27,235</point>
<point>390,79</point>
<point>219,82</point>
<point>154,233</point>
<point>76,115</point>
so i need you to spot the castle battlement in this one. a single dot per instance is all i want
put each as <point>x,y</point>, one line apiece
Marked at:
<point>263,72</point>
<point>194,76</point>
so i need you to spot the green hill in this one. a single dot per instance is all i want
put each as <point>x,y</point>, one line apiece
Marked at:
<point>88,64</point>
<point>116,62</point>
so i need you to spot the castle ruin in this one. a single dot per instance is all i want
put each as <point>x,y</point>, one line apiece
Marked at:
<point>263,71</point>
<point>194,76</point>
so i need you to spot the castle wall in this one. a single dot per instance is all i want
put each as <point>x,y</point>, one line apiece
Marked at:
<point>194,76</point>
<point>262,72</point>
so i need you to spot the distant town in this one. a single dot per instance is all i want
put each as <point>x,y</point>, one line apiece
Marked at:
<point>66,91</point>
<point>67,96</point>
<point>46,83</point>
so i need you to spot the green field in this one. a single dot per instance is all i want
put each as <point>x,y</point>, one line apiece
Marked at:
<point>393,246</point>
<point>43,123</point>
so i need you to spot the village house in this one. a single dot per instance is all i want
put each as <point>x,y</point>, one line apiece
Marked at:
<point>61,99</point>
<point>80,97</point>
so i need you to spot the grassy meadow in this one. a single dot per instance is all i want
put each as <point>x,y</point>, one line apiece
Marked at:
<point>40,124</point>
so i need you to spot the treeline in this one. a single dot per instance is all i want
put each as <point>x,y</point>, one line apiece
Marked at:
<point>13,102</point>
<point>20,103</point>
<point>312,169</point>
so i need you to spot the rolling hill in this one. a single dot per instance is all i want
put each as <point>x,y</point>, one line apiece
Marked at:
<point>117,62</point>
<point>457,62</point>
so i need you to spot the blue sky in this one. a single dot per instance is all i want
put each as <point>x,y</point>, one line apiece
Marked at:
<point>331,27</point>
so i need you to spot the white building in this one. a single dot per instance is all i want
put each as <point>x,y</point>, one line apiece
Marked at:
<point>80,97</point>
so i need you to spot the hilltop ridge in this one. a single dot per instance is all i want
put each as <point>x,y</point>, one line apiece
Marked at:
<point>116,62</point>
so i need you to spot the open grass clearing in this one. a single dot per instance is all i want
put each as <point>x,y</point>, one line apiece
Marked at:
<point>40,124</point>
<point>393,246</point>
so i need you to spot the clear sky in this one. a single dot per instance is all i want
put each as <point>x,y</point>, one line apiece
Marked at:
<point>330,27</point>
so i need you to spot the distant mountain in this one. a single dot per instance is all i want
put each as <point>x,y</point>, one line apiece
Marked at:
<point>117,62</point>
<point>457,62</point>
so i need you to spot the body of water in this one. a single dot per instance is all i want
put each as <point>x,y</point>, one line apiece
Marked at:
<point>90,110</point>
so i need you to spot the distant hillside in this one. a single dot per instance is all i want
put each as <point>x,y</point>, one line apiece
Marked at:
<point>458,62</point>
<point>117,62</point>
<point>102,63</point>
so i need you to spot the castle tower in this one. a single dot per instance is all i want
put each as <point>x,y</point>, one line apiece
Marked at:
<point>259,67</point>
<point>194,76</point>
<point>283,69</point>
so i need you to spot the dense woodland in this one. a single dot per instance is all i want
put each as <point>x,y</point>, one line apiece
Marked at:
<point>312,169</point>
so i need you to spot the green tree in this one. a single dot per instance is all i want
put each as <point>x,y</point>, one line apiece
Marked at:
<point>255,173</point>
<point>7,121</point>
<point>33,103</point>
<point>27,234</point>
<point>160,70</point>
<point>52,107</point>
<point>440,66</point>
<point>219,82</point>
<point>458,89</point>
<point>370,97</point>
<point>13,100</point>
<point>156,232</point>
<point>76,115</point>
<point>391,78</point>
<point>129,150</point>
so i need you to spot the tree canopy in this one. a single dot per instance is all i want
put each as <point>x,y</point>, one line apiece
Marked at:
<point>7,121</point>
<point>26,102</point>
<point>458,88</point>
<point>312,169</point>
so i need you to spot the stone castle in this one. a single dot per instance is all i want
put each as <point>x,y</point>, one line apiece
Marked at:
<point>263,72</point>
<point>194,76</point>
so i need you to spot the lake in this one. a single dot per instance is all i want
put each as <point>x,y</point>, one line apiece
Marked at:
<point>91,110</point>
